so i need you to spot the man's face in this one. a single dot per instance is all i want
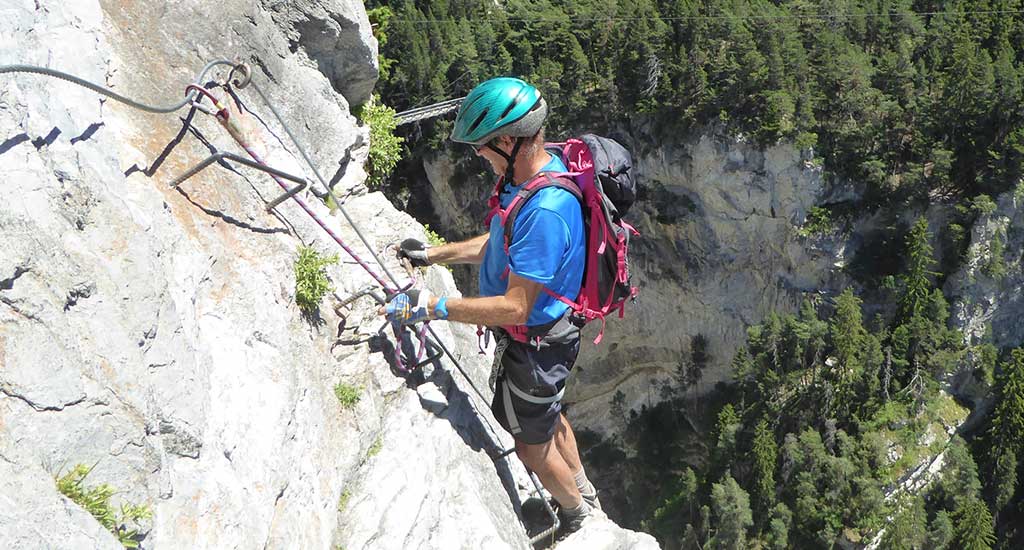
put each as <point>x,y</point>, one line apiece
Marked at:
<point>497,162</point>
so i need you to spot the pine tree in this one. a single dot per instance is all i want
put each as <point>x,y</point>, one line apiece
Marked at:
<point>917,279</point>
<point>1004,479</point>
<point>848,338</point>
<point>731,506</point>
<point>940,534</point>
<point>1007,430</point>
<point>908,529</point>
<point>725,441</point>
<point>973,529</point>
<point>765,456</point>
<point>778,527</point>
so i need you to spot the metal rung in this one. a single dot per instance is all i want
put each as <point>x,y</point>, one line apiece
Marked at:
<point>286,195</point>
<point>225,155</point>
<point>429,359</point>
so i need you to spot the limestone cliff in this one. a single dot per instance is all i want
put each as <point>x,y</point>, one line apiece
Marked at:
<point>152,334</point>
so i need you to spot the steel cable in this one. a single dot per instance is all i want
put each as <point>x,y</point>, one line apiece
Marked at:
<point>45,71</point>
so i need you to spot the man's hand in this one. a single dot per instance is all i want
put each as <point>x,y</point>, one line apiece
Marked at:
<point>415,251</point>
<point>409,307</point>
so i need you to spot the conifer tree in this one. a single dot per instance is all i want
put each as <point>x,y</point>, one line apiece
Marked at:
<point>1004,479</point>
<point>731,506</point>
<point>778,527</point>
<point>940,533</point>
<point>908,529</point>
<point>765,456</point>
<point>973,523</point>
<point>848,338</point>
<point>917,279</point>
<point>1008,416</point>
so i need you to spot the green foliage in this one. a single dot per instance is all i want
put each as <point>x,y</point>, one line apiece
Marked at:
<point>912,105</point>
<point>432,237</point>
<point>1007,430</point>
<point>731,506</point>
<point>311,282</point>
<point>347,394</point>
<point>385,146</point>
<point>346,495</point>
<point>379,18</point>
<point>917,280</point>
<point>995,267</point>
<point>908,529</point>
<point>819,222</point>
<point>374,449</point>
<point>765,455</point>
<point>973,523</point>
<point>940,532</point>
<point>778,527</point>
<point>123,523</point>
<point>1004,478</point>
<point>983,205</point>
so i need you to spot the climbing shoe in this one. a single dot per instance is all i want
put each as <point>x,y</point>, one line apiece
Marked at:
<point>592,499</point>
<point>572,520</point>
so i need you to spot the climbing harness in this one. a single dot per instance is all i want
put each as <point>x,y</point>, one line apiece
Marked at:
<point>195,92</point>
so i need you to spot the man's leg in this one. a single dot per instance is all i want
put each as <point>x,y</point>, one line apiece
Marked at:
<point>556,476</point>
<point>565,441</point>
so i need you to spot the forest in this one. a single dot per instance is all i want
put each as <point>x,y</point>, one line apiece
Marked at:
<point>916,103</point>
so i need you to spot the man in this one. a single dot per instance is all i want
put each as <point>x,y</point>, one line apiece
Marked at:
<point>503,120</point>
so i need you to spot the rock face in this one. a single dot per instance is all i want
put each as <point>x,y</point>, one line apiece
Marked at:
<point>982,296</point>
<point>719,249</point>
<point>152,332</point>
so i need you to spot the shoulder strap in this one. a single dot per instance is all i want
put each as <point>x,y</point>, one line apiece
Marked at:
<point>527,192</point>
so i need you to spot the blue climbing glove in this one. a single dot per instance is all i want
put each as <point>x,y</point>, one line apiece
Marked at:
<point>409,307</point>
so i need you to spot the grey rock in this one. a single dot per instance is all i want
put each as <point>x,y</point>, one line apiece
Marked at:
<point>34,515</point>
<point>335,35</point>
<point>981,300</point>
<point>600,533</point>
<point>432,398</point>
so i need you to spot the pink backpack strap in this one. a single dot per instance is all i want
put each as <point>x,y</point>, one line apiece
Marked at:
<point>547,179</point>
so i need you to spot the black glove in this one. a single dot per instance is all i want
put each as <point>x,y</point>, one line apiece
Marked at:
<point>415,251</point>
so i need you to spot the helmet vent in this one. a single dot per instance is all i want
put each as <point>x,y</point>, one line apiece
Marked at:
<point>511,106</point>
<point>476,123</point>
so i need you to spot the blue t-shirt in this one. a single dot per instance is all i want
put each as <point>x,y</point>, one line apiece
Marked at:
<point>547,246</point>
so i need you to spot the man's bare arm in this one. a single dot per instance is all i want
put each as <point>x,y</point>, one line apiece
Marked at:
<point>511,309</point>
<point>465,252</point>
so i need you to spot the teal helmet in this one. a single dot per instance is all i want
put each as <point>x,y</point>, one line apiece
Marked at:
<point>499,107</point>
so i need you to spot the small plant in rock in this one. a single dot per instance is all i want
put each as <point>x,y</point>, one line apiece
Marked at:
<point>311,282</point>
<point>432,237</point>
<point>378,444</point>
<point>995,267</point>
<point>343,500</point>
<point>347,394</point>
<point>819,221</point>
<point>96,501</point>
<point>385,146</point>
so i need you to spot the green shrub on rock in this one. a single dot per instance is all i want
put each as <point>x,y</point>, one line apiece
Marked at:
<point>311,282</point>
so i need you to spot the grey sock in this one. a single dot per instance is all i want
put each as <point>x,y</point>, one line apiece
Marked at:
<point>584,484</point>
<point>581,510</point>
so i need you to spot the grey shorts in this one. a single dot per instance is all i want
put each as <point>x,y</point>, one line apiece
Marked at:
<point>537,372</point>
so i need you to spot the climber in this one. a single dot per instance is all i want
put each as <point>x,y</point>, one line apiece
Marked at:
<point>502,119</point>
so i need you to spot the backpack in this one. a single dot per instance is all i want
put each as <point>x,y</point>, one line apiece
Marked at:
<point>599,177</point>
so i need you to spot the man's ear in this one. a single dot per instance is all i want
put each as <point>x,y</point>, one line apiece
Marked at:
<point>505,143</point>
